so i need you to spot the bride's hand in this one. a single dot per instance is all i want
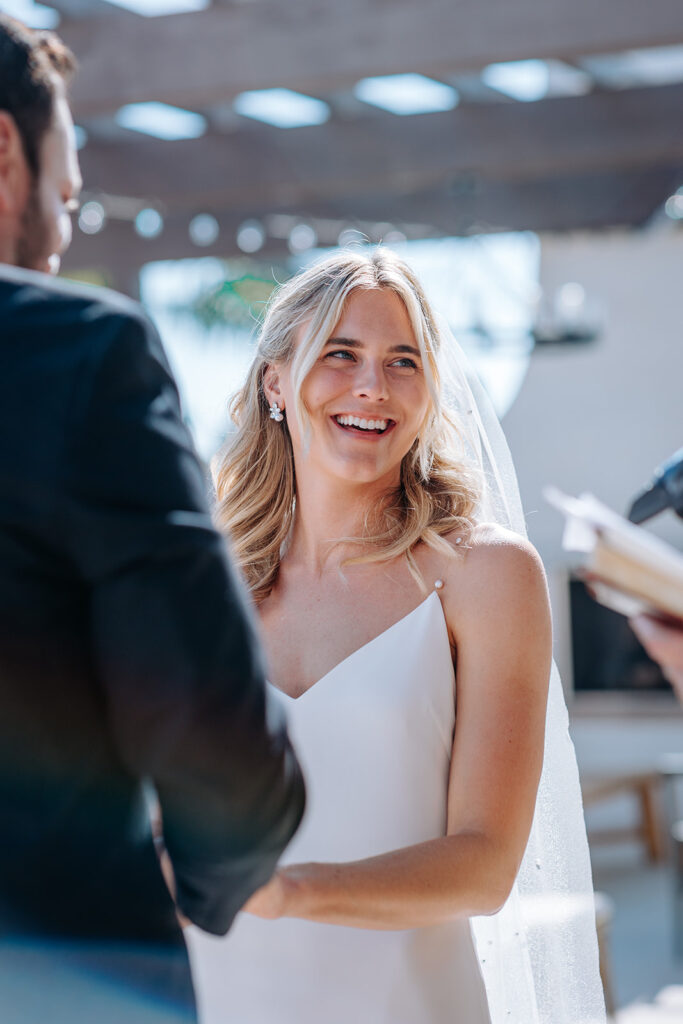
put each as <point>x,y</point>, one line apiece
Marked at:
<point>269,901</point>
<point>284,895</point>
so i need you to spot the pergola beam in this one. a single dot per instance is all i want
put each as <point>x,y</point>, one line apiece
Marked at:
<point>257,168</point>
<point>556,204</point>
<point>202,59</point>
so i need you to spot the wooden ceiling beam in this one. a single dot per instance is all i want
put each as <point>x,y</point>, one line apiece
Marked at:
<point>562,203</point>
<point>257,167</point>
<point>588,202</point>
<point>201,59</point>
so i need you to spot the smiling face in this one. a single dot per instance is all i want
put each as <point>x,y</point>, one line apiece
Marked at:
<point>366,395</point>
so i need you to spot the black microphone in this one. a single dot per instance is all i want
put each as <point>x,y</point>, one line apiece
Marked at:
<point>665,491</point>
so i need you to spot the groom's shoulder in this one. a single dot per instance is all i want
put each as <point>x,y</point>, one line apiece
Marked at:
<point>27,294</point>
<point>87,324</point>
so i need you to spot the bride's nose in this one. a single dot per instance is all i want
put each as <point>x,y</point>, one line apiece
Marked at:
<point>370,381</point>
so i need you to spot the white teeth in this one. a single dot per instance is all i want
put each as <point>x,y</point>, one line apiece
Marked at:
<point>356,421</point>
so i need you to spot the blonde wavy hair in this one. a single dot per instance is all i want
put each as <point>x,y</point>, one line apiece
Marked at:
<point>254,472</point>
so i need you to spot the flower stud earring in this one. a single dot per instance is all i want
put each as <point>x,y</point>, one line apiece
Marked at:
<point>276,413</point>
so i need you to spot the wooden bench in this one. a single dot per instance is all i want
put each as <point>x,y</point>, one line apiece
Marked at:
<point>645,788</point>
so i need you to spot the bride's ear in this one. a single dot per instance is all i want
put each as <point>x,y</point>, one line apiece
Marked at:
<point>271,386</point>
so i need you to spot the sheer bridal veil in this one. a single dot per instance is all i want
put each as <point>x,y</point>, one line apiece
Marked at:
<point>539,954</point>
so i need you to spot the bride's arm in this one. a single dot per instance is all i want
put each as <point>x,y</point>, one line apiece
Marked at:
<point>496,605</point>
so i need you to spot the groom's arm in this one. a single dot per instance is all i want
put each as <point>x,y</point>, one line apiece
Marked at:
<point>173,642</point>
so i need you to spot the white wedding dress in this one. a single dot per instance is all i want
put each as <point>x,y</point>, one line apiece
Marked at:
<point>374,737</point>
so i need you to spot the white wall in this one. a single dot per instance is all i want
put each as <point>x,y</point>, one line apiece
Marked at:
<point>601,417</point>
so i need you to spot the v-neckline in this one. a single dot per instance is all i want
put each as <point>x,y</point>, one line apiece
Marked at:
<point>359,650</point>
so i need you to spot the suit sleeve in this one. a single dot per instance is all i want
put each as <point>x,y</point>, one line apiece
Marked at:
<point>173,642</point>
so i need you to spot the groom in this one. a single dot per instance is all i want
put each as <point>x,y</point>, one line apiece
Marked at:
<point>128,664</point>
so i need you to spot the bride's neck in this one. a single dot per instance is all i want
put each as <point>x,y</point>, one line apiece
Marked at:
<point>325,513</point>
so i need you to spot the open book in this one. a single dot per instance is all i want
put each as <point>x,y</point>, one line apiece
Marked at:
<point>626,568</point>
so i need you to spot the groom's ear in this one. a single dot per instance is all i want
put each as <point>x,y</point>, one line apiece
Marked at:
<point>15,178</point>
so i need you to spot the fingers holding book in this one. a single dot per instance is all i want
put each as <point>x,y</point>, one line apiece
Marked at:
<point>663,641</point>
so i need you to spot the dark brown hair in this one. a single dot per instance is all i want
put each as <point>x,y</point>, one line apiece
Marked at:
<point>29,61</point>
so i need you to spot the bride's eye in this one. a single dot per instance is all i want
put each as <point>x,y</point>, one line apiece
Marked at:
<point>405,363</point>
<point>340,353</point>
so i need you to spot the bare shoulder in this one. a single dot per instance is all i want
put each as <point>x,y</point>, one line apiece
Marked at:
<point>495,549</point>
<point>496,574</point>
<point>491,551</point>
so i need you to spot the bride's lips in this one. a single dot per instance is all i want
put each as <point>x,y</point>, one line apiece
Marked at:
<point>373,435</point>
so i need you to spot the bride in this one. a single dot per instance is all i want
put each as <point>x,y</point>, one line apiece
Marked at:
<point>365,511</point>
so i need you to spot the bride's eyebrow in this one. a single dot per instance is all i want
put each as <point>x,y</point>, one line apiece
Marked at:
<point>349,342</point>
<point>354,343</point>
<point>407,348</point>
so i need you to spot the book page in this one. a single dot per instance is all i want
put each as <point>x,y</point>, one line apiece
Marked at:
<point>628,569</point>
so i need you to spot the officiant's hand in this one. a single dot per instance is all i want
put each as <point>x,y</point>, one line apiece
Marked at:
<point>664,643</point>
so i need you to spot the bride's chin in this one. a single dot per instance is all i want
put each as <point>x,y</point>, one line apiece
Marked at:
<point>359,474</point>
<point>353,468</point>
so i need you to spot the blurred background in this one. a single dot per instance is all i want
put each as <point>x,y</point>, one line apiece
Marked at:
<point>526,157</point>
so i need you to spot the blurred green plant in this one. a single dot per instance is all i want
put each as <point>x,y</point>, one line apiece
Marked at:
<point>240,300</point>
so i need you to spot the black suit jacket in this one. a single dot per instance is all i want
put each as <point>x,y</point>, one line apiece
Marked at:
<point>126,651</point>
